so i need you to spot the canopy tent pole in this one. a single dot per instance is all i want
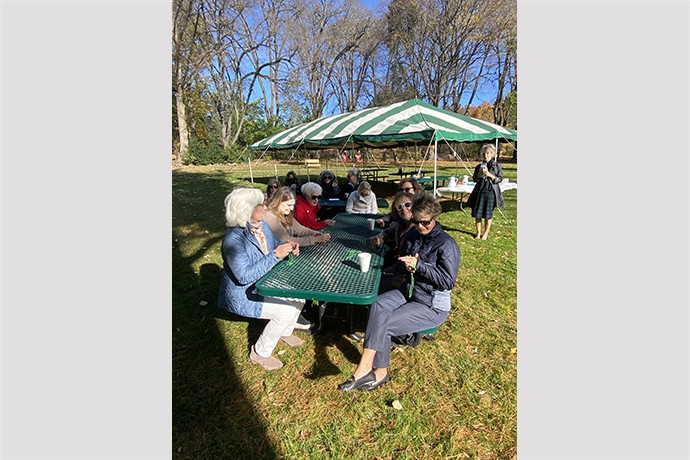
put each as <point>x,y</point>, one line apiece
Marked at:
<point>435,162</point>
<point>251,173</point>
<point>340,154</point>
<point>456,155</point>
<point>421,165</point>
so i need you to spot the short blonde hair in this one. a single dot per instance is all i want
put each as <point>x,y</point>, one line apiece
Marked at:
<point>486,147</point>
<point>364,185</point>
<point>239,205</point>
<point>311,188</point>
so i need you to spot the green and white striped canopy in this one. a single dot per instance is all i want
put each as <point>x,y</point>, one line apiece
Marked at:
<point>402,123</point>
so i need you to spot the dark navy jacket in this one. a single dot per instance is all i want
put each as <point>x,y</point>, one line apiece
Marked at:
<point>437,269</point>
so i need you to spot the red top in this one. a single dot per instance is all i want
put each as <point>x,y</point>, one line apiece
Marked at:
<point>305,214</point>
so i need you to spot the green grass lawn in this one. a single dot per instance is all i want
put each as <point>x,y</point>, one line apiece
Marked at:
<point>458,393</point>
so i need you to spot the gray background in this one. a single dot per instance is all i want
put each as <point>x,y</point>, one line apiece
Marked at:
<point>602,247</point>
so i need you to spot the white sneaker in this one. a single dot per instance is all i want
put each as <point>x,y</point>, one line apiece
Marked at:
<point>270,363</point>
<point>303,324</point>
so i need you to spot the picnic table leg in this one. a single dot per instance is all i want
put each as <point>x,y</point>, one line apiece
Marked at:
<point>319,326</point>
<point>461,208</point>
<point>350,324</point>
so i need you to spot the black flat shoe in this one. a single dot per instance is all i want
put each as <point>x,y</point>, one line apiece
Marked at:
<point>376,384</point>
<point>352,383</point>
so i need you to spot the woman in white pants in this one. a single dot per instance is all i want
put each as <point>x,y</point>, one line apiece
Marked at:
<point>250,249</point>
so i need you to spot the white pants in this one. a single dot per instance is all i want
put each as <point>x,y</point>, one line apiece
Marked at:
<point>283,314</point>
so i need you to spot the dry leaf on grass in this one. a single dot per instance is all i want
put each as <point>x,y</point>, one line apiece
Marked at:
<point>513,350</point>
<point>482,392</point>
<point>281,352</point>
<point>396,405</point>
<point>203,303</point>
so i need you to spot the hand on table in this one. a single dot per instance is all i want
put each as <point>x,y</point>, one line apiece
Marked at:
<point>322,237</point>
<point>376,240</point>
<point>329,222</point>
<point>380,223</point>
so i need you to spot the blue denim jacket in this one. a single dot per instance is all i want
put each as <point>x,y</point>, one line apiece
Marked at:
<point>437,268</point>
<point>243,265</point>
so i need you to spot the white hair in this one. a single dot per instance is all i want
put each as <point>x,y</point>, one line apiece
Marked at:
<point>311,188</point>
<point>240,204</point>
<point>486,147</point>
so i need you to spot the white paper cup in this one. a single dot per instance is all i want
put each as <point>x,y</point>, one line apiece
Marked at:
<point>371,223</point>
<point>364,261</point>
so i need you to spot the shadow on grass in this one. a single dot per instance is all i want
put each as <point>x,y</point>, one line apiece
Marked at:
<point>213,416</point>
<point>336,328</point>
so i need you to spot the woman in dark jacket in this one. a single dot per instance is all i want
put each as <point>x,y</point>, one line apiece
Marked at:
<point>329,184</point>
<point>431,263</point>
<point>393,237</point>
<point>486,194</point>
<point>353,180</point>
<point>292,181</point>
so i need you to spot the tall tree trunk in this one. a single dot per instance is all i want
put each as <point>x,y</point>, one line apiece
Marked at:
<point>182,123</point>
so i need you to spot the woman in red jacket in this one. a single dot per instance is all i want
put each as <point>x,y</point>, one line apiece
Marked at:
<point>307,207</point>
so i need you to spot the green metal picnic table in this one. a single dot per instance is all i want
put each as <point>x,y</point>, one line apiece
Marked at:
<point>330,272</point>
<point>331,203</point>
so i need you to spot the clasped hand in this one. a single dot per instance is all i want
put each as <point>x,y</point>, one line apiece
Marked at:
<point>410,262</point>
<point>282,250</point>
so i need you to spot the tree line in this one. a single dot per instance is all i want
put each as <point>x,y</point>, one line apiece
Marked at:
<point>245,69</point>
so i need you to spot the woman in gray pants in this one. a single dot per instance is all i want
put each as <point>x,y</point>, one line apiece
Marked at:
<point>431,266</point>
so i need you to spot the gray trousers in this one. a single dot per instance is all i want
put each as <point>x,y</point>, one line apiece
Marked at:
<point>392,315</point>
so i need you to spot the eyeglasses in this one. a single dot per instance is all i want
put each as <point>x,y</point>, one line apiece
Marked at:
<point>423,222</point>
<point>407,189</point>
<point>315,197</point>
<point>407,205</point>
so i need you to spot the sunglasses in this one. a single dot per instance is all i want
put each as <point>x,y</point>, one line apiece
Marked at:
<point>407,205</point>
<point>423,222</point>
<point>315,197</point>
<point>274,186</point>
<point>406,189</point>
<point>327,178</point>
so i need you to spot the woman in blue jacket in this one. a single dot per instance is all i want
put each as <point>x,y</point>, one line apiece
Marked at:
<point>431,263</point>
<point>250,249</point>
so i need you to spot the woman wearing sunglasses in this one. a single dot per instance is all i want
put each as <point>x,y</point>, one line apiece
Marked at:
<point>329,184</point>
<point>393,236</point>
<point>431,263</point>
<point>307,207</point>
<point>409,185</point>
<point>271,187</point>
<point>280,218</point>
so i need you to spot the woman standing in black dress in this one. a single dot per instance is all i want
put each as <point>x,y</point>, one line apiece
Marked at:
<point>486,194</point>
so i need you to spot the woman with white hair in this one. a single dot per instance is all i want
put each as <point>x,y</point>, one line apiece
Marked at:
<point>250,249</point>
<point>362,201</point>
<point>486,194</point>
<point>307,207</point>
